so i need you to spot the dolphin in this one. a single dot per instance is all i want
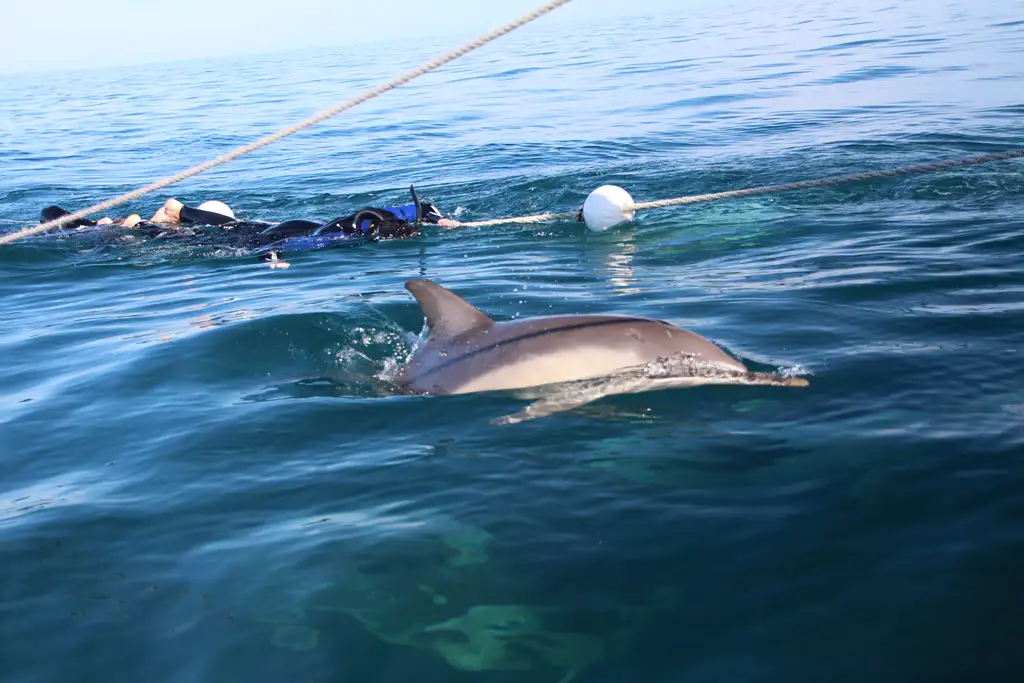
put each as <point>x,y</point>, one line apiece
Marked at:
<point>567,360</point>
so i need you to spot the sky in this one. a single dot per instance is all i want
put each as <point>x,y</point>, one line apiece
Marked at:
<point>77,34</point>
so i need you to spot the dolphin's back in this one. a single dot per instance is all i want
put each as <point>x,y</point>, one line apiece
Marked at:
<point>535,351</point>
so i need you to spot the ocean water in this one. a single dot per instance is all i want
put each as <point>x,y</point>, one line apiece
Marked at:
<point>204,476</point>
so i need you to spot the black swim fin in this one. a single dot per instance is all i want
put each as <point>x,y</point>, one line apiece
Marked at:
<point>52,213</point>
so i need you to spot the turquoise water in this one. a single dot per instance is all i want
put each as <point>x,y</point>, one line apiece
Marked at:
<point>206,478</point>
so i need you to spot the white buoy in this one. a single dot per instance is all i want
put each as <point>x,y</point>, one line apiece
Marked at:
<point>605,208</point>
<point>213,206</point>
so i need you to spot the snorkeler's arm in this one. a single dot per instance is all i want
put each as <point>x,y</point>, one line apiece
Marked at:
<point>187,214</point>
<point>431,214</point>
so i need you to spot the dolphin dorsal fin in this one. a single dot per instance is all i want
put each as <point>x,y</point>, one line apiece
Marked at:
<point>448,315</point>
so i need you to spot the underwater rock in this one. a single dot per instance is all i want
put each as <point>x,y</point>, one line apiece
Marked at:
<point>299,638</point>
<point>508,638</point>
<point>470,543</point>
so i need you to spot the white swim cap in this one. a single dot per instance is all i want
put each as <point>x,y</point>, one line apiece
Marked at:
<point>214,206</point>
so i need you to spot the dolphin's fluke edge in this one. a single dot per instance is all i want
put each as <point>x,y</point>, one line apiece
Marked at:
<point>447,314</point>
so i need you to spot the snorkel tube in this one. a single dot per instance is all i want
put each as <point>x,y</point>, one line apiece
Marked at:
<point>416,203</point>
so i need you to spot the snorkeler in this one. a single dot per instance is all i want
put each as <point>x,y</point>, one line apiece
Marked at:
<point>175,219</point>
<point>369,224</point>
<point>208,213</point>
<point>52,213</point>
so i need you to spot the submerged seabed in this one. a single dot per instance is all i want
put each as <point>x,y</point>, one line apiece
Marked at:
<point>206,478</point>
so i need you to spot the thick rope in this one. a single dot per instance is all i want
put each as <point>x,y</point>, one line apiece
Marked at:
<point>764,189</point>
<point>262,142</point>
<point>536,218</point>
<point>834,180</point>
